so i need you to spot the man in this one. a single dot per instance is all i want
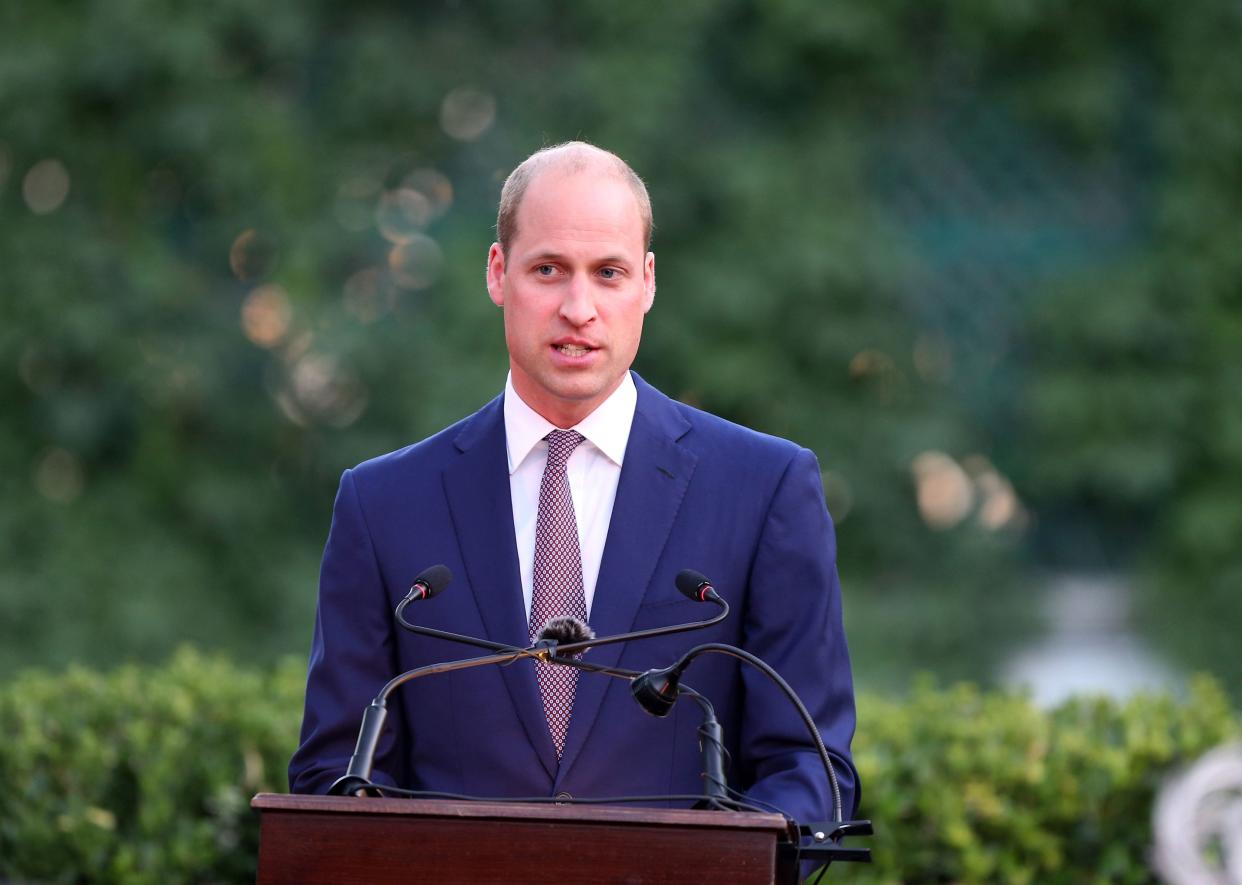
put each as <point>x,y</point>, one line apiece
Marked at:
<point>581,490</point>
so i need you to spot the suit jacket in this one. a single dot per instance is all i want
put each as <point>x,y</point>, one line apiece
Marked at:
<point>695,491</point>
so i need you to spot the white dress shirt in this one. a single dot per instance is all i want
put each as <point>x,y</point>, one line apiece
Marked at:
<point>593,470</point>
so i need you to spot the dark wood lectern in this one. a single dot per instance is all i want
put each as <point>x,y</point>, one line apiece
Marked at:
<point>343,839</point>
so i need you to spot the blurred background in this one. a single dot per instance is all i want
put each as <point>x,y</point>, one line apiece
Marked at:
<point>976,255</point>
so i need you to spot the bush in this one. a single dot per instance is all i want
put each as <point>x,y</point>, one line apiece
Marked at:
<point>144,774</point>
<point>967,786</point>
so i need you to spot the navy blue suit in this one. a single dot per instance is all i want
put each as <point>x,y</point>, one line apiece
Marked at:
<point>743,508</point>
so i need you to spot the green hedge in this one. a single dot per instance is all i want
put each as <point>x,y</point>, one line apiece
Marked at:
<point>972,786</point>
<point>144,774</point>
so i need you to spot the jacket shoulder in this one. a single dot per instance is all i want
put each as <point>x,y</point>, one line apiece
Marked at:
<point>425,457</point>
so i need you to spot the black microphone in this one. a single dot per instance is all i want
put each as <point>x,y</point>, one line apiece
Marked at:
<point>695,586</point>
<point>656,691</point>
<point>562,631</point>
<point>430,582</point>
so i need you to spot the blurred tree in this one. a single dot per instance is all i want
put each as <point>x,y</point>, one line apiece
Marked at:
<point>975,255</point>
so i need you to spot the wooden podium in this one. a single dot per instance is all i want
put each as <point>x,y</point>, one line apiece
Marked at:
<point>344,839</point>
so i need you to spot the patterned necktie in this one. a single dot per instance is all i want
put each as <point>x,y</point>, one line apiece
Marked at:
<point>557,579</point>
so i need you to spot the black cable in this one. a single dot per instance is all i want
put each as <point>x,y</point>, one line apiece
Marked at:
<point>618,672</point>
<point>756,662</point>
<point>767,806</point>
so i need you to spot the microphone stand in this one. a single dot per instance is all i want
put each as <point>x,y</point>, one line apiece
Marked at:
<point>357,777</point>
<point>711,743</point>
<point>711,735</point>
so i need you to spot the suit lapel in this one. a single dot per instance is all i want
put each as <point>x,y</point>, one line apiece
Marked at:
<point>477,487</point>
<point>653,481</point>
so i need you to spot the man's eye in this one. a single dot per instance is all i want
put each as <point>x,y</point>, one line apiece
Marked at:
<point>609,273</point>
<point>545,270</point>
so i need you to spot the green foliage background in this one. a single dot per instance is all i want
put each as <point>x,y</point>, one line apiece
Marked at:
<point>985,228</point>
<point>999,230</point>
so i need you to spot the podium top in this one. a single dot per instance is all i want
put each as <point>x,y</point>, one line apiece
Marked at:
<point>527,811</point>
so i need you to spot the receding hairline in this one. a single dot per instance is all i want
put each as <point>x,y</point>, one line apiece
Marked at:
<point>567,158</point>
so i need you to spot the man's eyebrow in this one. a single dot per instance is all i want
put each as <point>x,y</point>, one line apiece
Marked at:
<point>537,257</point>
<point>555,257</point>
<point>615,259</point>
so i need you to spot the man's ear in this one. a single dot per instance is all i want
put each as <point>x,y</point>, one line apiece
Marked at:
<point>649,286</point>
<point>496,274</point>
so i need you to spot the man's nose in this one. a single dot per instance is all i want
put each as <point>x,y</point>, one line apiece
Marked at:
<point>578,305</point>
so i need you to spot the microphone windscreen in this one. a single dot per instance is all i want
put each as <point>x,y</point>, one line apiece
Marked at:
<point>692,584</point>
<point>434,579</point>
<point>564,630</point>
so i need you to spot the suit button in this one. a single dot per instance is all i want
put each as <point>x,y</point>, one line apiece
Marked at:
<point>562,797</point>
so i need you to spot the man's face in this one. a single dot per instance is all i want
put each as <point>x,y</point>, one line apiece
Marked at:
<point>575,285</point>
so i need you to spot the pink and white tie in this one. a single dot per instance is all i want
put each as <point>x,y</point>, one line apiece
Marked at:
<point>557,579</point>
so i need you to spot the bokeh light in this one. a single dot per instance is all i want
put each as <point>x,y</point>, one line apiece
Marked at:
<point>59,476</point>
<point>877,369</point>
<point>466,113</point>
<point>435,186</point>
<point>323,389</point>
<point>252,256</point>
<point>401,214</point>
<point>416,263</point>
<point>46,186</point>
<point>266,315</point>
<point>999,506</point>
<point>944,492</point>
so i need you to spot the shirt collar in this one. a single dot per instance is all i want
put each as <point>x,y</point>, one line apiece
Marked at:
<point>607,428</point>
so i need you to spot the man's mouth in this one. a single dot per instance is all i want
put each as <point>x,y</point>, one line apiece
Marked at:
<point>572,349</point>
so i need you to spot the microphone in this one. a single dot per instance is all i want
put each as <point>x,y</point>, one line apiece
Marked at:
<point>695,586</point>
<point>562,631</point>
<point>430,582</point>
<point>656,692</point>
<point>559,641</point>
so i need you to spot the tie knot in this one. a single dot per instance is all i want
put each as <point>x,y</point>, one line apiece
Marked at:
<point>561,444</point>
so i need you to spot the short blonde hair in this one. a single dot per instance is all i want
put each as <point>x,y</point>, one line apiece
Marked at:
<point>570,157</point>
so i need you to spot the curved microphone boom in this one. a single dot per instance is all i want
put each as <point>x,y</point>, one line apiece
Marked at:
<point>693,586</point>
<point>430,582</point>
<point>656,691</point>
<point>690,583</point>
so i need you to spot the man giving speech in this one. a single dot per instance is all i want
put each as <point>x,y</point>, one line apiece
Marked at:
<point>581,490</point>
